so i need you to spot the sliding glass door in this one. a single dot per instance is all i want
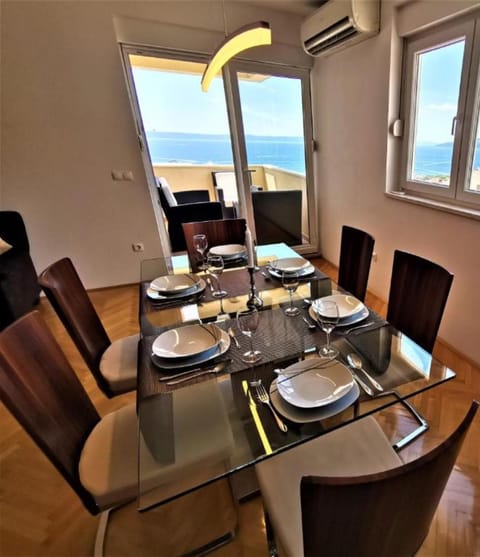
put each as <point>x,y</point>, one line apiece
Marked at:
<point>245,141</point>
<point>277,134</point>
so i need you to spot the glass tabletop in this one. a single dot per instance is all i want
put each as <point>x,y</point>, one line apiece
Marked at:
<point>193,431</point>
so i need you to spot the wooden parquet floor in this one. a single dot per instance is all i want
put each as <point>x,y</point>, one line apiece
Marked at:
<point>41,516</point>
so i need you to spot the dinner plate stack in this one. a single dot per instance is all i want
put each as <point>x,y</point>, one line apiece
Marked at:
<point>289,264</point>
<point>313,389</point>
<point>230,253</point>
<point>190,345</point>
<point>350,309</point>
<point>171,287</point>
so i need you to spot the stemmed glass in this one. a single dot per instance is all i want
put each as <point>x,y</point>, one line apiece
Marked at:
<point>247,322</point>
<point>215,269</point>
<point>290,282</point>
<point>327,315</point>
<point>200,243</point>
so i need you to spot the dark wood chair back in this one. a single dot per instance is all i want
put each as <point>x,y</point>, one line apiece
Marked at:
<point>419,290</point>
<point>66,293</point>
<point>218,232</point>
<point>381,514</point>
<point>41,390</point>
<point>356,251</point>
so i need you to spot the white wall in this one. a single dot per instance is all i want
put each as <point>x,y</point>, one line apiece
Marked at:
<point>66,123</point>
<point>351,99</point>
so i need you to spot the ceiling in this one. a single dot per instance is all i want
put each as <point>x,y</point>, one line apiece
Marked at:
<point>300,7</point>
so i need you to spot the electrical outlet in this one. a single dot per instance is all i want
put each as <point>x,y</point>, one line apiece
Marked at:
<point>137,246</point>
<point>374,257</point>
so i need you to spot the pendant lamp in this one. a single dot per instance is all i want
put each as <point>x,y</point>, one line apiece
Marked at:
<point>248,36</point>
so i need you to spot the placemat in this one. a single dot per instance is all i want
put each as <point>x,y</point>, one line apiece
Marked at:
<point>280,337</point>
<point>236,282</point>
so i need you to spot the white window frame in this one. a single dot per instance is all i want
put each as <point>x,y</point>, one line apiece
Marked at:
<point>456,194</point>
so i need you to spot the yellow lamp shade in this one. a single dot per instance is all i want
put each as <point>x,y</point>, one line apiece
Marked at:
<point>248,36</point>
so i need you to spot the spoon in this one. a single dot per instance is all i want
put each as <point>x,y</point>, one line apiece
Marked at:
<point>232,335</point>
<point>196,373</point>
<point>309,323</point>
<point>356,363</point>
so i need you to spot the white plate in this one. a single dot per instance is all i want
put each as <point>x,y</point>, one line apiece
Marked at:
<point>347,305</point>
<point>303,267</point>
<point>173,284</point>
<point>187,341</point>
<point>345,321</point>
<point>156,295</point>
<point>316,387</point>
<point>177,365</point>
<point>298,264</point>
<point>305,416</point>
<point>229,251</point>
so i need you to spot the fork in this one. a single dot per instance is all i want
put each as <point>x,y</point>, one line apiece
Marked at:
<point>263,397</point>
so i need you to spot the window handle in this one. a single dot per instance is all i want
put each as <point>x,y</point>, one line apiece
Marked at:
<point>454,123</point>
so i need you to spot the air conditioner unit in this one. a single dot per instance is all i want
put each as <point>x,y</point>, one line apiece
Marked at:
<point>340,23</point>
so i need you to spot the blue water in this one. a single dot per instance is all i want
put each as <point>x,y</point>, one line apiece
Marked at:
<point>436,160</point>
<point>284,152</point>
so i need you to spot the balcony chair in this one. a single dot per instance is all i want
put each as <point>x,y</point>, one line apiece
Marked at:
<point>19,288</point>
<point>113,364</point>
<point>356,251</point>
<point>98,456</point>
<point>348,493</point>
<point>229,231</point>
<point>185,206</point>
<point>278,216</point>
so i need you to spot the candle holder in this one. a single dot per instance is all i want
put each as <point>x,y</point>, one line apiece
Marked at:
<point>253,299</point>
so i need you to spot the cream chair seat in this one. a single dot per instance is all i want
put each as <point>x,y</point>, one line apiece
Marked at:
<point>119,364</point>
<point>357,449</point>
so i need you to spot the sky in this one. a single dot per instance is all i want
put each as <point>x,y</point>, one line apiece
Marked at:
<point>174,102</point>
<point>440,71</point>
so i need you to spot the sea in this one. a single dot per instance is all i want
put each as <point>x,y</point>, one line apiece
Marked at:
<point>186,148</point>
<point>283,152</point>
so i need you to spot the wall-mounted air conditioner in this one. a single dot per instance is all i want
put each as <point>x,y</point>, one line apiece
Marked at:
<point>340,23</point>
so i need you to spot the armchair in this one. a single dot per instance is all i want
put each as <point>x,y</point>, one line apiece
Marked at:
<point>19,288</point>
<point>185,206</point>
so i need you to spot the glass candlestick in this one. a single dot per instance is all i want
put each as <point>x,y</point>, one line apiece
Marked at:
<point>254,301</point>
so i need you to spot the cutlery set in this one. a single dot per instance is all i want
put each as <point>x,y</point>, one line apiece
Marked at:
<point>192,373</point>
<point>355,363</point>
<point>261,395</point>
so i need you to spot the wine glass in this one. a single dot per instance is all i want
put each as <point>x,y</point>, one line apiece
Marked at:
<point>327,315</point>
<point>200,243</point>
<point>290,282</point>
<point>215,269</point>
<point>247,322</point>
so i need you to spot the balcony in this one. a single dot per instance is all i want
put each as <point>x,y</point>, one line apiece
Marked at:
<point>182,177</point>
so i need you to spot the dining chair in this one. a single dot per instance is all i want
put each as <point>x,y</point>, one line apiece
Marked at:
<point>419,290</point>
<point>41,390</point>
<point>113,364</point>
<point>97,456</point>
<point>228,231</point>
<point>356,250</point>
<point>348,493</point>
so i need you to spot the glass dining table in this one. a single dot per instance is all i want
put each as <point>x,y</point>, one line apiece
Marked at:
<point>200,427</point>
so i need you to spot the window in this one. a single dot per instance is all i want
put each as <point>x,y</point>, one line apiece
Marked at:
<point>441,101</point>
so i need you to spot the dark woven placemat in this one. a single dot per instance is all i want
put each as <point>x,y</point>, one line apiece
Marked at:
<point>236,282</point>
